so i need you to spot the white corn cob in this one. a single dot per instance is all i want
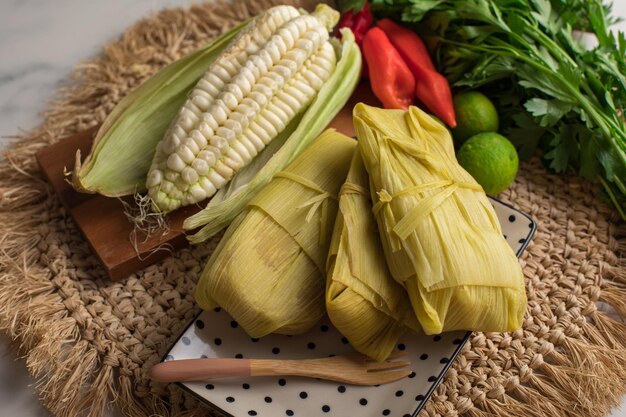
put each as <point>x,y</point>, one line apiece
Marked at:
<point>247,42</point>
<point>239,106</point>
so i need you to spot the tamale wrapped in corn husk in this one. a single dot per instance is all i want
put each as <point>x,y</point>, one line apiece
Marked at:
<point>440,234</point>
<point>268,271</point>
<point>363,301</point>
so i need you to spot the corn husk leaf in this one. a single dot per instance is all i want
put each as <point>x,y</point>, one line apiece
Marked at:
<point>125,143</point>
<point>230,200</point>
<point>268,270</point>
<point>363,301</point>
<point>440,234</point>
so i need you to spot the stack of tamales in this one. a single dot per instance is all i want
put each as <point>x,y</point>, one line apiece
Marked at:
<point>416,243</point>
<point>268,271</point>
<point>441,237</point>
<point>363,301</point>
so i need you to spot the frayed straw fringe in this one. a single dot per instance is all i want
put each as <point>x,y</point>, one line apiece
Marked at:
<point>582,376</point>
<point>89,342</point>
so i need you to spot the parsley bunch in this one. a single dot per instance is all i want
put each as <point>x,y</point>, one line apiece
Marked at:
<point>552,92</point>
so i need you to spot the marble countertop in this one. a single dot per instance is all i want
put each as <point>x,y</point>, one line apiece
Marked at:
<point>40,42</point>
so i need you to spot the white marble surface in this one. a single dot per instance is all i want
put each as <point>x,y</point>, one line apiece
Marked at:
<point>40,41</point>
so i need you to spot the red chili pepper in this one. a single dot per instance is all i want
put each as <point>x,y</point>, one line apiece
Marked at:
<point>359,22</point>
<point>418,55</point>
<point>434,91</point>
<point>345,21</point>
<point>391,79</point>
<point>432,88</point>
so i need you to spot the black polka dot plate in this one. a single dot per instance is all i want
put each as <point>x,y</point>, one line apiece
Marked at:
<point>216,334</point>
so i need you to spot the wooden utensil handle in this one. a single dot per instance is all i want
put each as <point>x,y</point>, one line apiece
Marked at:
<point>199,369</point>
<point>302,367</point>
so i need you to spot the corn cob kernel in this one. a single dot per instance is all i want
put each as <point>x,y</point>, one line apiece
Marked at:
<point>238,107</point>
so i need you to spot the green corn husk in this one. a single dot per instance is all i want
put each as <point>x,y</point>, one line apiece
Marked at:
<point>125,144</point>
<point>230,200</point>
<point>440,234</point>
<point>362,299</point>
<point>268,270</point>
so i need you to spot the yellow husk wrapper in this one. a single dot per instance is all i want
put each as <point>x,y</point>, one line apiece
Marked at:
<point>440,233</point>
<point>268,271</point>
<point>362,299</point>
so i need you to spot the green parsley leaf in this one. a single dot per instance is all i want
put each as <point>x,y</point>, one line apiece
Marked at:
<point>549,112</point>
<point>418,8</point>
<point>354,5</point>
<point>525,136</point>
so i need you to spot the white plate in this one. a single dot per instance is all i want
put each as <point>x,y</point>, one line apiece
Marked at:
<point>216,334</point>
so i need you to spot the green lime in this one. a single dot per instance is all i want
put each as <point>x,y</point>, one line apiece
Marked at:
<point>491,159</point>
<point>475,114</point>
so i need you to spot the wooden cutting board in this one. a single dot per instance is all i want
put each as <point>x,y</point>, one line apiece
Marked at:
<point>102,219</point>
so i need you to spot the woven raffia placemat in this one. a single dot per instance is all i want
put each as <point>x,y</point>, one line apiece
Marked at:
<point>90,341</point>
